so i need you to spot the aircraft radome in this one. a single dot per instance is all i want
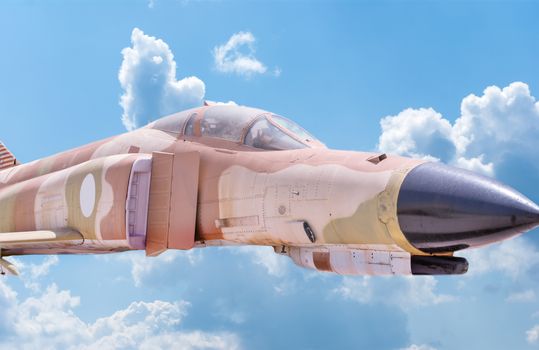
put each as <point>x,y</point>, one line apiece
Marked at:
<point>233,175</point>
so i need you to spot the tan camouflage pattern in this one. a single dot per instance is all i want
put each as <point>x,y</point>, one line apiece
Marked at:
<point>242,196</point>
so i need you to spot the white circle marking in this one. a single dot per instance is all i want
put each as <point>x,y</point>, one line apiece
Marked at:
<point>87,195</point>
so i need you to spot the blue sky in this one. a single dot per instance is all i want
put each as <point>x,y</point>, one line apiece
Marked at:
<point>337,68</point>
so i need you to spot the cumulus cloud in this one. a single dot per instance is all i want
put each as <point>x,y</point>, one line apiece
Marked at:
<point>31,273</point>
<point>417,133</point>
<point>406,292</point>
<point>274,264</point>
<point>43,269</point>
<point>49,321</point>
<point>237,56</point>
<point>421,291</point>
<point>505,257</point>
<point>492,129</point>
<point>143,267</point>
<point>148,78</point>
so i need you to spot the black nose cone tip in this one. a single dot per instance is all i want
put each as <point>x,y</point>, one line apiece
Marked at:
<point>444,209</point>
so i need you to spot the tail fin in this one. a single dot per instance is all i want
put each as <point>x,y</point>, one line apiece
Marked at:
<point>7,159</point>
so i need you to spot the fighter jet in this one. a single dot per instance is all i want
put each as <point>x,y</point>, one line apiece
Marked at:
<point>221,175</point>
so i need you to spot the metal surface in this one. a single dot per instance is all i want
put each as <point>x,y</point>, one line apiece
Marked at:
<point>438,265</point>
<point>194,179</point>
<point>443,209</point>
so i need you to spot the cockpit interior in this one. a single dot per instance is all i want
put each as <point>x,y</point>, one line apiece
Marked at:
<point>243,126</point>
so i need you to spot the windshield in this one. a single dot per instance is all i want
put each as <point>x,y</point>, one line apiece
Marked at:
<point>293,127</point>
<point>267,136</point>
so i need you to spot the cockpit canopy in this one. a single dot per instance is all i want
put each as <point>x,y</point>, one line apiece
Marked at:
<point>241,125</point>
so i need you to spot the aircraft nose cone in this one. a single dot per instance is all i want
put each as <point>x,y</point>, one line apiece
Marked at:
<point>443,209</point>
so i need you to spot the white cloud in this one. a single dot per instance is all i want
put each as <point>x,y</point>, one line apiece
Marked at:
<point>358,289</point>
<point>49,321</point>
<point>274,264</point>
<point>416,133</point>
<point>148,77</point>
<point>8,298</point>
<point>476,164</point>
<point>419,347</point>
<point>43,269</point>
<point>505,257</point>
<point>421,291</point>
<point>237,56</point>
<point>500,118</point>
<point>142,267</point>
<point>532,335</point>
<point>406,292</point>
<point>526,296</point>
<point>31,273</point>
<point>492,128</point>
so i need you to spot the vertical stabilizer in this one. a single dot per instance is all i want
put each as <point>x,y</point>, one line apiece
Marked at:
<point>7,159</point>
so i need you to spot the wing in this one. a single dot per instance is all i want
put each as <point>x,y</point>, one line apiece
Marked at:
<point>21,238</point>
<point>13,240</point>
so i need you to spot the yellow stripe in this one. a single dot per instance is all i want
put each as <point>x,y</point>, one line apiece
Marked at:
<point>387,211</point>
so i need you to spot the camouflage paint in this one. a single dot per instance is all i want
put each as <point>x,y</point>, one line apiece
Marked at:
<point>326,209</point>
